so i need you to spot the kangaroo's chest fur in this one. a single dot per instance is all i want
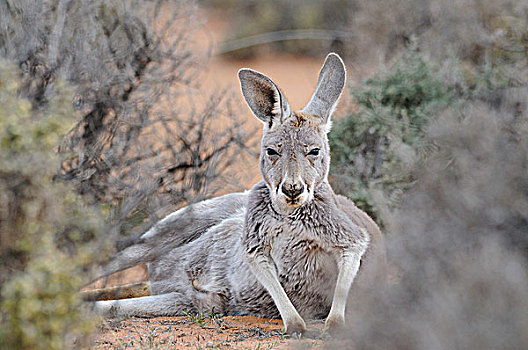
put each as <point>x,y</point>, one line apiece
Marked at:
<point>306,271</point>
<point>317,226</point>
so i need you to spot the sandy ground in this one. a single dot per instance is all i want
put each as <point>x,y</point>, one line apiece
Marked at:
<point>193,331</point>
<point>296,76</point>
<point>187,332</point>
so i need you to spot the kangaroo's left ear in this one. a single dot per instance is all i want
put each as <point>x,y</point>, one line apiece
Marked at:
<point>328,90</point>
<point>263,97</point>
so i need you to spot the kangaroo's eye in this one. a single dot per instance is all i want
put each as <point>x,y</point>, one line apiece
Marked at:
<point>314,152</point>
<point>271,152</point>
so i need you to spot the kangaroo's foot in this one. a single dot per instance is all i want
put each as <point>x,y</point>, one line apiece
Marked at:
<point>295,326</point>
<point>170,304</point>
<point>334,325</point>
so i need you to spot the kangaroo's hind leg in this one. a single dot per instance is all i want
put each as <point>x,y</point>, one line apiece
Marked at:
<point>169,304</point>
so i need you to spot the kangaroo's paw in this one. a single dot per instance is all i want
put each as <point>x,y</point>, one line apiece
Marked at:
<point>295,327</point>
<point>313,332</point>
<point>334,325</point>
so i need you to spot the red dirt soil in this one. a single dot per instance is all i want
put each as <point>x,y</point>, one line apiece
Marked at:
<point>228,332</point>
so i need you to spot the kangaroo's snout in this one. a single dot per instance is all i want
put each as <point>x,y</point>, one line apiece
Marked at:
<point>292,191</point>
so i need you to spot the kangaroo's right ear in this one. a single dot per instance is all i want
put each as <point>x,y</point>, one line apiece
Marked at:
<point>329,88</point>
<point>263,97</point>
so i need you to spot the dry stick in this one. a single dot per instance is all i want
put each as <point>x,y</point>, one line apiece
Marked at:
<point>133,290</point>
<point>283,35</point>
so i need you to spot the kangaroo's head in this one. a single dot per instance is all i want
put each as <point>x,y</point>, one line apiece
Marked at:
<point>295,155</point>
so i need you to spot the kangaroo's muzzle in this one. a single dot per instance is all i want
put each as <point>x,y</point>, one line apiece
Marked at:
<point>293,194</point>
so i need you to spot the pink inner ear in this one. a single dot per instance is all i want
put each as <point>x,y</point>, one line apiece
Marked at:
<point>276,110</point>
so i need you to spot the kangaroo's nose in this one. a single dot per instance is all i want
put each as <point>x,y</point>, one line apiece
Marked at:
<point>292,190</point>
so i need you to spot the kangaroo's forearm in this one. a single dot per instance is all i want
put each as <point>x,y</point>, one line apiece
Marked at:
<point>347,272</point>
<point>265,272</point>
<point>348,263</point>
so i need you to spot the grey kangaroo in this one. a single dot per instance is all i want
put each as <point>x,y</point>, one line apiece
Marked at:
<point>289,246</point>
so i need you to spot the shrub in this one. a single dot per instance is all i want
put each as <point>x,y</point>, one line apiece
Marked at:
<point>137,141</point>
<point>375,145</point>
<point>456,238</point>
<point>49,235</point>
<point>145,142</point>
<point>458,247</point>
<point>477,32</point>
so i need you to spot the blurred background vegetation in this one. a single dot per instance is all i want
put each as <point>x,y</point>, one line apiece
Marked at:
<point>50,235</point>
<point>104,129</point>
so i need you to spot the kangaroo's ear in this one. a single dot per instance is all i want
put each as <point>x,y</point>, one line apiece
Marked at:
<point>329,88</point>
<point>263,97</point>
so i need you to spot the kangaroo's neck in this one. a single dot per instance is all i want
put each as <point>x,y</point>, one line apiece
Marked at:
<point>321,219</point>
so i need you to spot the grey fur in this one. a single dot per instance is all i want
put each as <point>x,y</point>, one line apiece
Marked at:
<point>287,247</point>
<point>328,89</point>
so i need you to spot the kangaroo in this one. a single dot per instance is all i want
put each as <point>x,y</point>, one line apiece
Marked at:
<point>289,247</point>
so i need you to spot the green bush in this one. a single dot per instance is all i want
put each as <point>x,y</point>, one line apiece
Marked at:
<point>48,234</point>
<point>374,146</point>
<point>378,143</point>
